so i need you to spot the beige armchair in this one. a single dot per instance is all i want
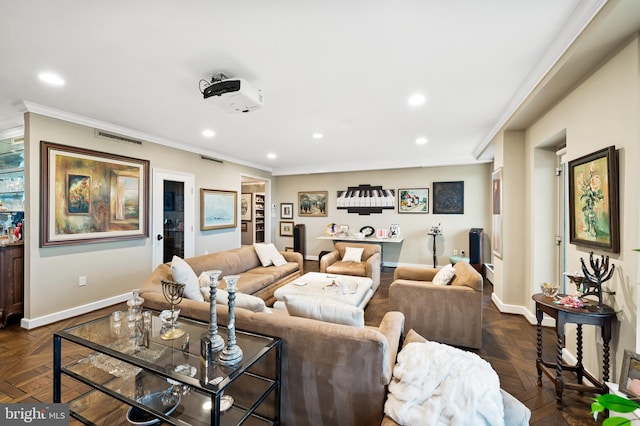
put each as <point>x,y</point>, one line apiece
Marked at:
<point>449,314</point>
<point>369,266</point>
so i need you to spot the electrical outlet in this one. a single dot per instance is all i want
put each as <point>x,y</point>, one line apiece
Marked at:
<point>462,251</point>
<point>82,281</point>
<point>455,252</point>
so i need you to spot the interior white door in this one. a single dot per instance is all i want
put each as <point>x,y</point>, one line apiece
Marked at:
<point>173,217</point>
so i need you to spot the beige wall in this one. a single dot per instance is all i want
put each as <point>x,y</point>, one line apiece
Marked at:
<point>601,111</point>
<point>417,245</point>
<point>113,268</point>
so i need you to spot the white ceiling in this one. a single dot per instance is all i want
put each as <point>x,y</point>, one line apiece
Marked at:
<point>342,68</point>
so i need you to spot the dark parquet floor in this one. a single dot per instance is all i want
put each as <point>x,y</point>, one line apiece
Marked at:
<point>509,345</point>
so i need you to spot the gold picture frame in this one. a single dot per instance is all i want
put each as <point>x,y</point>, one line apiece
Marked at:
<point>218,209</point>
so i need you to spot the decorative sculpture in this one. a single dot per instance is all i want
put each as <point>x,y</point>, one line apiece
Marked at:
<point>212,342</point>
<point>232,354</point>
<point>173,293</point>
<point>593,280</point>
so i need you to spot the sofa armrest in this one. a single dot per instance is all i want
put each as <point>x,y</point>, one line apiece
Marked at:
<point>329,259</point>
<point>392,326</point>
<point>416,273</point>
<point>373,267</point>
<point>293,256</point>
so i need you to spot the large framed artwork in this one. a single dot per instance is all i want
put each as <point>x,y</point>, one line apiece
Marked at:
<point>496,213</point>
<point>218,209</point>
<point>594,202</point>
<point>90,196</point>
<point>414,200</point>
<point>246,205</point>
<point>312,203</point>
<point>448,197</point>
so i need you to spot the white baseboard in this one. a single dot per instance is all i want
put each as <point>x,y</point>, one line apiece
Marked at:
<point>520,310</point>
<point>30,323</point>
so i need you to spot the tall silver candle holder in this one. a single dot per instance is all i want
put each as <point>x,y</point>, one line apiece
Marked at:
<point>212,342</point>
<point>173,293</point>
<point>232,354</point>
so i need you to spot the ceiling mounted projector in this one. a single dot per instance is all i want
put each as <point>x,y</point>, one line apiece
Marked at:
<point>233,95</point>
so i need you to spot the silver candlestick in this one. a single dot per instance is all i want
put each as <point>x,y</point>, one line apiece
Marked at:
<point>232,354</point>
<point>212,342</point>
<point>173,293</point>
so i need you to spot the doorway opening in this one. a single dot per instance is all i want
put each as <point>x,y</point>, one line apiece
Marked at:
<point>255,223</point>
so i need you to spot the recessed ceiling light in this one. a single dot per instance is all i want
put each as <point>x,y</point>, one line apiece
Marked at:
<point>271,156</point>
<point>417,99</point>
<point>318,135</point>
<point>421,141</point>
<point>208,133</point>
<point>50,78</point>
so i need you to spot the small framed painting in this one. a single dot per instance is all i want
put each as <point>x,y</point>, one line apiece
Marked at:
<point>286,229</point>
<point>286,210</point>
<point>448,197</point>
<point>246,201</point>
<point>312,203</point>
<point>218,209</point>
<point>415,200</point>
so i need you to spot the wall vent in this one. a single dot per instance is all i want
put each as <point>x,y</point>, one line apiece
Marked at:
<point>116,137</point>
<point>17,140</point>
<point>217,160</point>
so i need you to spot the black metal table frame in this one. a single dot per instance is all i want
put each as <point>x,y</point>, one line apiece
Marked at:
<point>564,315</point>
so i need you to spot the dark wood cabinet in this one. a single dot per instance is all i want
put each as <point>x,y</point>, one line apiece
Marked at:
<point>11,281</point>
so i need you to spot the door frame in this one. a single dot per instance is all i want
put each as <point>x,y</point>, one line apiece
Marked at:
<point>157,209</point>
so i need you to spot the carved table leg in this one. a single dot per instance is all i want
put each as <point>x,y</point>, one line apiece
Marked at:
<point>579,367</point>
<point>539,316</point>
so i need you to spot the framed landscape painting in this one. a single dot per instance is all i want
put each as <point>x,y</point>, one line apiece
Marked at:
<point>90,196</point>
<point>218,209</point>
<point>593,201</point>
<point>414,200</point>
<point>312,203</point>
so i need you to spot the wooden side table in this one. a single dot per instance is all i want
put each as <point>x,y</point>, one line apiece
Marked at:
<point>582,316</point>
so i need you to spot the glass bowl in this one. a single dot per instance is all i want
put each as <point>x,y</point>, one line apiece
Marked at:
<point>549,289</point>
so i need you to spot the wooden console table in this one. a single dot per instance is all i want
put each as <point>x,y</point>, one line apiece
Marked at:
<point>563,315</point>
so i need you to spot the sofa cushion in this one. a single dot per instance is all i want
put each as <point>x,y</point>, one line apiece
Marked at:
<point>353,254</point>
<point>183,273</point>
<point>275,272</point>
<point>324,309</point>
<point>412,337</point>
<point>251,283</point>
<point>444,275</point>
<point>269,254</point>
<point>245,301</point>
<point>348,268</point>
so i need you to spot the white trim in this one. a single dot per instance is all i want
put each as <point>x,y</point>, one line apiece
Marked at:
<point>103,125</point>
<point>521,310</point>
<point>12,133</point>
<point>30,323</point>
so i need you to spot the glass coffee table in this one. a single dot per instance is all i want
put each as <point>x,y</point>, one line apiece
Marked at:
<point>114,374</point>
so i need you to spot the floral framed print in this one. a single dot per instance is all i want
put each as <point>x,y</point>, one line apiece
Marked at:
<point>414,200</point>
<point>448,197</point>
<point>90,196</point>
<point>593,201</point>
<point>286,229</point>
<point>218,209</point>
<point>286,210</point>
<point>312,203</point>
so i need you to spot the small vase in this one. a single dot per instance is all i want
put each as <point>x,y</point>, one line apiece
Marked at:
<point>232,354</point>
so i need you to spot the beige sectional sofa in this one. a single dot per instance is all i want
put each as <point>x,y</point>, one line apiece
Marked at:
<point>255,279</point>
<point>332,374</point>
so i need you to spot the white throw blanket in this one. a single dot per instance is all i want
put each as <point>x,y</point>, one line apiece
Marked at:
<point>436,384</point>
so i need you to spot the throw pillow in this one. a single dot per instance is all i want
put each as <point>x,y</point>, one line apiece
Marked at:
<point>269,254</point>
<point>324,309</point>
<point>413,337</point>
<point>353,254</point>
<point>245,301</point>
<point>183,273</point>
<point>444,275</point>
